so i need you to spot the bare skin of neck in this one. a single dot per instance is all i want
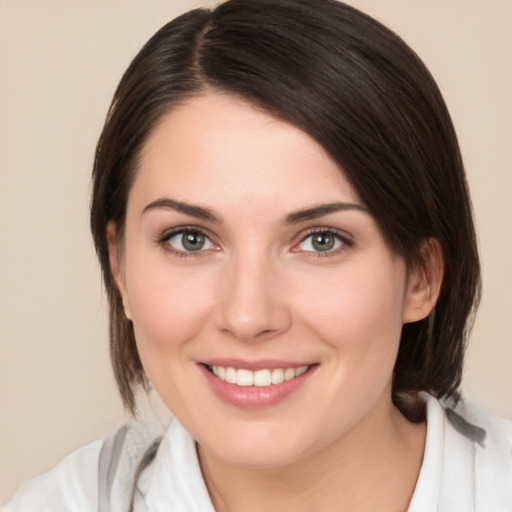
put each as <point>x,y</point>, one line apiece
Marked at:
<point>374,466</point>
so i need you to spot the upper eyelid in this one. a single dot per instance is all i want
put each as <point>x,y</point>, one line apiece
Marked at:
<point>169,233</point>
<point>346,239</point>
<point>163,239</point>
<point>321,229</point>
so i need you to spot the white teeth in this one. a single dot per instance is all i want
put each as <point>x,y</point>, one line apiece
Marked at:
<point>259,378</point>
<point>262,378</point>
<point>277,376</point>
<point>231,375</point>
<point>289,373</point>
<point>244,377</point>
<point>301,370</point>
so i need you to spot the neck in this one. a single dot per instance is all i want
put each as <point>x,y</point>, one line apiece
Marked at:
<point>374,466</point>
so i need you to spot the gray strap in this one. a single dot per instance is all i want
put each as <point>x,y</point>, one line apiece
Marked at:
<point>146,460</point>
<point>108,463</point>
<point>462,426</point>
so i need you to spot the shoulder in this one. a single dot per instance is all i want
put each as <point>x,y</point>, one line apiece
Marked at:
<point>489,434</point>
<point>478,456</point>
<point>467,463</point>
<point>72,485</point>
<point>101,471</point>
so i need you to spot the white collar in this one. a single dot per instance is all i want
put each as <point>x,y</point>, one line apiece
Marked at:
<point>456,473</point>
<point>426,494</point>
<point>175,482</point>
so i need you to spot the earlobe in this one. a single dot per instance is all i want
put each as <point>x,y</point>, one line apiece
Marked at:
<point>424,283</point>
<point>116,265</point>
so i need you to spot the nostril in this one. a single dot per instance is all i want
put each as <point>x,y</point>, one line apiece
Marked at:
<point>248,335</point>
<point>266,333</point>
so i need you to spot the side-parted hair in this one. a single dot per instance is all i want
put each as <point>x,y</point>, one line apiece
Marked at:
<point>365,97</point>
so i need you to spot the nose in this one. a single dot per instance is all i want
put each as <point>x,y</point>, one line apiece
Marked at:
<point>253,304</point>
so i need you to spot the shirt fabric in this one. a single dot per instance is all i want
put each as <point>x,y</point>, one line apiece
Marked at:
<point>467,466</point>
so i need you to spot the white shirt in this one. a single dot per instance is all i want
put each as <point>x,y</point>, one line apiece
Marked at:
<point>467,466</point>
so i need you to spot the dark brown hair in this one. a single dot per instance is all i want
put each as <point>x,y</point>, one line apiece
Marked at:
<point>364,95</point>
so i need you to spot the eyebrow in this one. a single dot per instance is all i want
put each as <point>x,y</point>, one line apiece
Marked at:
<point>321,210</point>
<point>199,212</point>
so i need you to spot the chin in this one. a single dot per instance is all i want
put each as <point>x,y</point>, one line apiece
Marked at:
<point>258,445</point>
<point>255,457</point>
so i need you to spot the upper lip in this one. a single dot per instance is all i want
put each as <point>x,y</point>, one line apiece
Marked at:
<point>261,364</point>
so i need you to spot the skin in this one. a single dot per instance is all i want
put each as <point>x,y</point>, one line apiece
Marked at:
<point>259,290</point>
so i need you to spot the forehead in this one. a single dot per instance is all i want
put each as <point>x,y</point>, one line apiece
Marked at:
<point>218,146</point>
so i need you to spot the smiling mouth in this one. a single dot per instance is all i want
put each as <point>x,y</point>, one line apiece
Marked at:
<point>259,378</point>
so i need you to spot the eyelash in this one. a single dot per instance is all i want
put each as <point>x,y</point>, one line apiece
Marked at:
<point>164,239</point>
<point>345,240</point>
<point>341,236</point>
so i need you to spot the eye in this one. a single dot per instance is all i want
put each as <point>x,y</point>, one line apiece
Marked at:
<point>324,241</point>
<point>188,240</point>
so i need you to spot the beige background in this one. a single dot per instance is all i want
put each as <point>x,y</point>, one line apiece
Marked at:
<point>59,62</point>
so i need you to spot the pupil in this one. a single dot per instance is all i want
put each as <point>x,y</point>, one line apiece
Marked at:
<point>193,241</point>
<point>323,242</point>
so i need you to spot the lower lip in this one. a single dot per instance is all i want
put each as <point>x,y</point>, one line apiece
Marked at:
<point>254,397</point>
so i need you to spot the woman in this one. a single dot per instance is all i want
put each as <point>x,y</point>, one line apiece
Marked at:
<point>281,215</point>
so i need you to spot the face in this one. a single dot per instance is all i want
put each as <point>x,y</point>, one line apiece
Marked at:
<point>266,306</point>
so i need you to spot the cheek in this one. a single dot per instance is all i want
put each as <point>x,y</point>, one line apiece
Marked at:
<point>360,310</point>
<point>169,306</point>
<point>360,319</point>
<point>169,311</point>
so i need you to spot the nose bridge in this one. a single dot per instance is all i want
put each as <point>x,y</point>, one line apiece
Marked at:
<point>251,306</point>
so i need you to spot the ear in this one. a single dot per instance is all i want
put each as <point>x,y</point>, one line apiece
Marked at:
<point>424,282</point>
<point>116,265</point>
